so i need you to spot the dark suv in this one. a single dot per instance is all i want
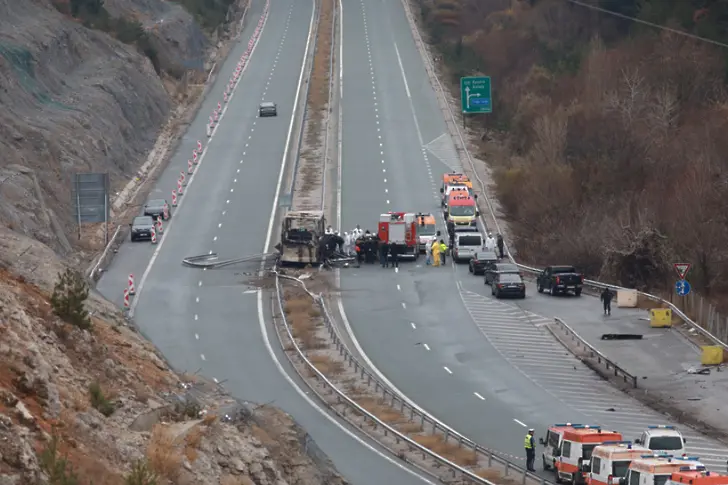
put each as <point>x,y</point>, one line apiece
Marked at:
<point>141,228</point>
<point>494,268</point>
<point>508,284</point>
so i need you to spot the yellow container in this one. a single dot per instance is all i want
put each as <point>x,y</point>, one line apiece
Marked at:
<point>712,355</point>
<point>661,317</point>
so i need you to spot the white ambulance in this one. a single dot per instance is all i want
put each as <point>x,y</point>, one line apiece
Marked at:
<point>610,461</point>
<point>697,477</point>
<point>657,469</point>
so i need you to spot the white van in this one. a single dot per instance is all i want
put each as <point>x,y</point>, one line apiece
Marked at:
<point>467,245</point>
<point>663,439</point>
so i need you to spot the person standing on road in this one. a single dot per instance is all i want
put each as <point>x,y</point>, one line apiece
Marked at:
<point>428,254</point>
<point>394,250</point>
<point>530,446</point>
<point>384,254</point>
<point>499,243</point>
<point>443,252</point>
<point>435,253</point>
<point>606,298</point>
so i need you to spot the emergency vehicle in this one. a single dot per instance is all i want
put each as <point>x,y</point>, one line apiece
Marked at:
<point>401,230</point>
<point>663,438</point>
<point>577,444</point>
<point>454,181</point>
<point>552,441</point>
<point>461,209</point>
<point>697,477</point>
<point>656,469</point>
<point>610,462</point>
<point>427,229</point>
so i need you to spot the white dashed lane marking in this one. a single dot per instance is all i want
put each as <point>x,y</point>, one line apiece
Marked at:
<point>250,138</point>
<point>520,337</point>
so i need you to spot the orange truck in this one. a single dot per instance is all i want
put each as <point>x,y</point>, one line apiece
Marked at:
<point>573,462</point>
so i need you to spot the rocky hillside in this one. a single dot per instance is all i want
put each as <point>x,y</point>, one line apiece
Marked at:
<point>86,86</point>
<point>99,405</point>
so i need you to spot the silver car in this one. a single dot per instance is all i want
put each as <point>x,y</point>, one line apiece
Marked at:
<point>467,244</point>
<point>267,109</point>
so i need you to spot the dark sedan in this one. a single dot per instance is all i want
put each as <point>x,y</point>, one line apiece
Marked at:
<point>493,269</point>
<point>141,228</point>
<point>508,284</point>
<point>267,109</point>
<point>155,209</point>
<point>481,260</point>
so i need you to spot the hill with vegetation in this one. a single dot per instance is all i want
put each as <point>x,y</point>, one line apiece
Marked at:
<point>607,142</point>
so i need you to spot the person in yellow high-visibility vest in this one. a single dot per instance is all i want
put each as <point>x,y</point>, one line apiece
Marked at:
<point>530,446</point>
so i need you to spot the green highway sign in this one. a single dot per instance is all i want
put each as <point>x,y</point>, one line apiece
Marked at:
<point>475,95</point>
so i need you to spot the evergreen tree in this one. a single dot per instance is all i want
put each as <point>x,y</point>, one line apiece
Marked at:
<point>58,469</point>
<point>69,297</point>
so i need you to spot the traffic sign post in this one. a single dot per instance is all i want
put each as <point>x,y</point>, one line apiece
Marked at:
<point>682,269</point>
<point>475,95</point>
<point>682,288</point>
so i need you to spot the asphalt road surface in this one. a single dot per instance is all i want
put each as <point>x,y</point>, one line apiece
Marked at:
<point>488,369</point>
<point>211,321</point>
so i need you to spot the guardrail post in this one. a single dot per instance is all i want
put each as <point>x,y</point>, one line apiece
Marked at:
<point>356,365</point>
<point>525,475</point>
<point>508,467</point>
<point>490,459</point>
<point>447,435</point>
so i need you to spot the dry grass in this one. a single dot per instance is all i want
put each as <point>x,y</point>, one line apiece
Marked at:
<point>304,318</point>
<point>454,453</point>
<point>494,476</point>
<point>163,454</point>
<point>209,419</point>
<point>326,365</point>
<point>318,95</point>
<point>409,428</point>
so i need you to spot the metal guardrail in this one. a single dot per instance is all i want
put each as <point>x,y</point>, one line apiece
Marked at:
<point>592,353</point>
<point>484,193</point>
<point>427,421</point>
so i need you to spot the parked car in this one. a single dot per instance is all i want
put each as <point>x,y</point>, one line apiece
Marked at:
<point>267,109</point>
<point>141,228</point>
<point>155,208</point>
<point>508,284</point>
<point>480,260</point>
<point>494,268</point>
<point>560,279</point>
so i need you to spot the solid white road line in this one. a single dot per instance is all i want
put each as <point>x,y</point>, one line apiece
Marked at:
<point>261,317</point>
<point>520,422</point>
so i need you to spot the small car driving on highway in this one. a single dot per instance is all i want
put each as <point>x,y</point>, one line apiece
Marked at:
<point>508,284</point>
<point>494,268</point>
<point>478,262</point>
<point>155,209</point>
<point>267,109</point>
<point>141,228</point>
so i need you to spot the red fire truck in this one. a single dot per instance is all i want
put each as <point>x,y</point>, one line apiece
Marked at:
<point>400,229</point>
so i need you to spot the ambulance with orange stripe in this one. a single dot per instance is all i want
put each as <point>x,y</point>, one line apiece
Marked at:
<point>657,469</point>
<point>610,462</point>
<point>697,477</point>
<point>574,461</point>
<point>454,181</point>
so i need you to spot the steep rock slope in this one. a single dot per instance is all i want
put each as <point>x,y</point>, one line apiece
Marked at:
<point>185,429</point>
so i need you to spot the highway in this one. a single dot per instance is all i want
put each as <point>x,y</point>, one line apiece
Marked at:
<point>486,368</point>
<point>211,321</point>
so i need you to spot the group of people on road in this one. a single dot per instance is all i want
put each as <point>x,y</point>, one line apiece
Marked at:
<point>436,252</point>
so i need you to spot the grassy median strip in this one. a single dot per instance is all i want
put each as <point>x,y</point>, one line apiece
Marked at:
<point>306,322</point>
